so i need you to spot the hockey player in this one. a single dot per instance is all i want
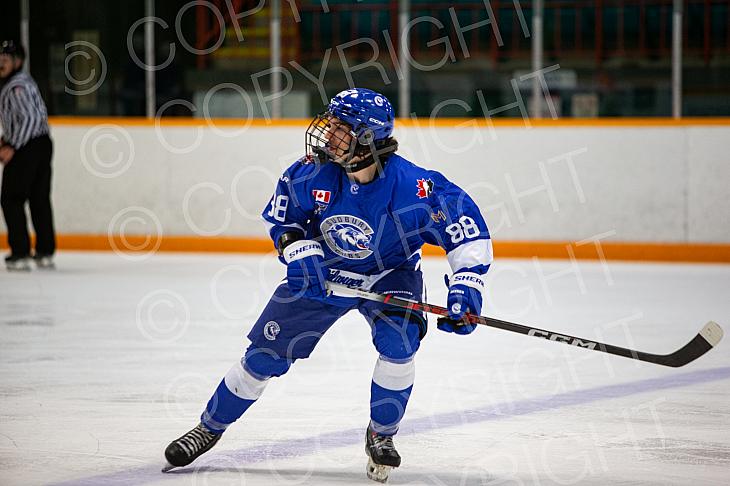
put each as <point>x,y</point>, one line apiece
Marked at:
<point>354,212</point>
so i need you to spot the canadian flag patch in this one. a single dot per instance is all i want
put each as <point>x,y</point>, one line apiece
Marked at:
<point>425,188</point>
<point>321,196</point>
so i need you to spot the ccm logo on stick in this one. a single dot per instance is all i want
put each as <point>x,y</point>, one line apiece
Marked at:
<point>561,339</point>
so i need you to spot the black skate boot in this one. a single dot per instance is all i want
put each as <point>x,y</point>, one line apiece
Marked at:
<point>17,263</point>
<point>44,261</point>
<point>189,447</point>
<point>382,456</point>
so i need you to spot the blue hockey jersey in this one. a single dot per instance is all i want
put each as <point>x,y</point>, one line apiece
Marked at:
<point>366,230</point>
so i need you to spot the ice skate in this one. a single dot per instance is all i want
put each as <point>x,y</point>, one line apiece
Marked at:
<point>189,447</point>
<point>44,262</point>
<point>16,263</point>
<point>382,456</point>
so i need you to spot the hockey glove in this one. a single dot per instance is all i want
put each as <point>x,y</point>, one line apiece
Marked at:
<point>305,270</point>
<point>465,295</point>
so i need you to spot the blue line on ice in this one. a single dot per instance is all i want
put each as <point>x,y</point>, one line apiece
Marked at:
<point>331,440</point>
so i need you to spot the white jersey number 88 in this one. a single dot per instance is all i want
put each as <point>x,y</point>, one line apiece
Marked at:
<point>465,228</point>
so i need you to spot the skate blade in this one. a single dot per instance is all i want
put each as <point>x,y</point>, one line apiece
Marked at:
<point>169,467</point>
<point>18,269</point>
<point>378,472</point>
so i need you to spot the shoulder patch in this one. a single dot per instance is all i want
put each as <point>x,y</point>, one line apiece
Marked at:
<point>425,188</point>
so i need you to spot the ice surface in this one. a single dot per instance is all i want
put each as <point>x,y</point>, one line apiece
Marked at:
<point>107,359</point>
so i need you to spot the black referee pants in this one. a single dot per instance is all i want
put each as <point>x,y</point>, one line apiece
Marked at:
<point>27,177</point>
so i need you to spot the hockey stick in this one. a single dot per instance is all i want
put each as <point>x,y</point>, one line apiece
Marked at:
<point>706,339</point>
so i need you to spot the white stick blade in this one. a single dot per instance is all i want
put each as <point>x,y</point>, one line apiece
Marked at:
<point>712,332</point>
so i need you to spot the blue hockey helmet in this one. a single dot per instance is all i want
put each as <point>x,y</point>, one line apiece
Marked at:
<point>364,109</point>
<point>368,119</point>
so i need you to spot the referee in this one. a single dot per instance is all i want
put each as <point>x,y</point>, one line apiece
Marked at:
<point>25,153</point>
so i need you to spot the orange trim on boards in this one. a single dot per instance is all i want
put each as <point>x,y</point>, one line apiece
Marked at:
<point>643,252</point>
<point>405,122</point>
<point>175,121</point>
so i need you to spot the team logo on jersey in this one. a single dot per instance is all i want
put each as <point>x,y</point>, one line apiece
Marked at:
<point>347,236</point>
<point>271,330</point>
<point>425,188</point>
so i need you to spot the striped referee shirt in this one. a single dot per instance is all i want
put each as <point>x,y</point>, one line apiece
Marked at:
<point>23,113</point>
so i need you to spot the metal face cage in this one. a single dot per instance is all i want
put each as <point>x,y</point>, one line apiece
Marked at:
<point>329,139</point>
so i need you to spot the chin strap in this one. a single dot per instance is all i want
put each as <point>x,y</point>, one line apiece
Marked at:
<point>371,154</point>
